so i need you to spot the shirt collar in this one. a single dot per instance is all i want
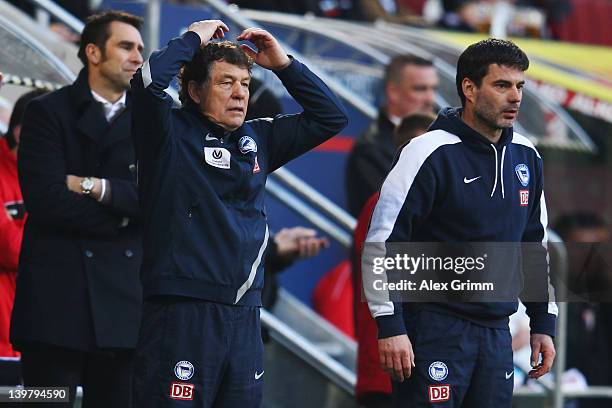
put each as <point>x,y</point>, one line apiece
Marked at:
<point>120,101</point>
<point>396,120</point>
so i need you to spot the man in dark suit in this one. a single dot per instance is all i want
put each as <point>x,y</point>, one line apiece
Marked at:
<point>78,300</point>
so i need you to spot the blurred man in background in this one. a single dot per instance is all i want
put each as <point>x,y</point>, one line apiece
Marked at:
<point>410,83</point>
<point>589,344</point>
<point>78,297</point>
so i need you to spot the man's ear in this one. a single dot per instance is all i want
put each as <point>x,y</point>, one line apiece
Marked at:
<point>193,88</point>
<point>469,89</point>
<point>93,53</point>
<point>391,94</point>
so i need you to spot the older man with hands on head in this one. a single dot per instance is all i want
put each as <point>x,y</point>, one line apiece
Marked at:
<point>202,171</point>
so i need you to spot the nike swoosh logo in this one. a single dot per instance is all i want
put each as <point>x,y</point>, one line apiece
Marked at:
<point>258,376</point>
<point>209,137</point>
<point>468,181</point>
<point>509,375</point>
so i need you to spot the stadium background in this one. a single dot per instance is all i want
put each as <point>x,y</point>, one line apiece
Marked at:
<point>568,112</point>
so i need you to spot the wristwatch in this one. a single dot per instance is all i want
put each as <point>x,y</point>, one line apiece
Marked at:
<point>87,185</point>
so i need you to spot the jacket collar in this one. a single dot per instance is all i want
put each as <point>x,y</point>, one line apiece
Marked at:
<point>385,126</point>
<point>216,130</point>
<point>91,120</point>
<point>449,119</point>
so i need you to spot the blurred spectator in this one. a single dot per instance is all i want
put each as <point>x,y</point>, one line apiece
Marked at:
<point>12,219</point>
<point>389,10</point>
<point>461,15</point>
<point>555,10</point>
<point>78,8</point>
<point>373,389</point>
<point>588,337</point>
<point>78,298</point>
<point>409,84</point>
<point>346,9</point>
<point>589,273</point>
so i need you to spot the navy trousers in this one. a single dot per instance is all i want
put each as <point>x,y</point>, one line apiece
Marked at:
<point>193,353</point>
<point>458,364</point>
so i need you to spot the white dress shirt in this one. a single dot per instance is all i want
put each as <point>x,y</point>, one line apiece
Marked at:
<point>110,109</point>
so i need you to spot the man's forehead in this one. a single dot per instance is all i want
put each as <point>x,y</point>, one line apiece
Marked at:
<point>120,31</point>
<point>419,73</point>
<point>225,69</point>
<point>504,72</point>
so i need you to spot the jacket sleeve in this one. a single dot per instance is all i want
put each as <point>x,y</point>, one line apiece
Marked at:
<point>289,136</point>
<point>406,199</point>
<point>42,176</point>
<point>124,198</point>
<point>538,294</point>
<point>10,242</point>
<point>152,106</point>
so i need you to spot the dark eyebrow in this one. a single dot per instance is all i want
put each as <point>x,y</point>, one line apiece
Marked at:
<point>131,44</point>
<point>228,76</point>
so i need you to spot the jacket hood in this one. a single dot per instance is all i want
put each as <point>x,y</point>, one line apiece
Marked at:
<point>449,119</point>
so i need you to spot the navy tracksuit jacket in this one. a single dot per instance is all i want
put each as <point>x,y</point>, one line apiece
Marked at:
<point>202,188</point>
<point>452,185</point>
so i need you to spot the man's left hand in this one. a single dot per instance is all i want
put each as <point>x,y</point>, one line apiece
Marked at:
<point>269,54</point>
<point>541,344</point>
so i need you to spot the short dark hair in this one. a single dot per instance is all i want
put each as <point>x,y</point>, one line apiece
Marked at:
<point>410,125</point>
<point>581,219</point>
<point>475,60</point>
<point>198,69</point>
<point>393,70</point>
<point>17,114</point>
<point>97,31</point>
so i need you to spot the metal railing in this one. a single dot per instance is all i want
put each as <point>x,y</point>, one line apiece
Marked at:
<point>318,26</point>
<point>243,22</point>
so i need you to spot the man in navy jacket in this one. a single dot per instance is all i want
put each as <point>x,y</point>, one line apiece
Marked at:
<point>201,176</point>
<point>471,179</point>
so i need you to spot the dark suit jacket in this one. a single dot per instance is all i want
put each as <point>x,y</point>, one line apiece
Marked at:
<point>78,283</point>
<point>369,162</point>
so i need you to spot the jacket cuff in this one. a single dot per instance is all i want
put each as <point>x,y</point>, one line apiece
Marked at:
<point>390,325</point>
<point>192,39</point>
<point>545,324</point>
<point>294,67</point>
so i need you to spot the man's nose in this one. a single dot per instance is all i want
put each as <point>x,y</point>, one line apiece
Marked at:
<point>515,95</point>
<point>136,57</point>
<point>240,91</point>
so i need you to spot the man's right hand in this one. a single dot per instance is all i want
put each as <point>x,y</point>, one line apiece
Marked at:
<point>208,29</point>
<point>396,356</point>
